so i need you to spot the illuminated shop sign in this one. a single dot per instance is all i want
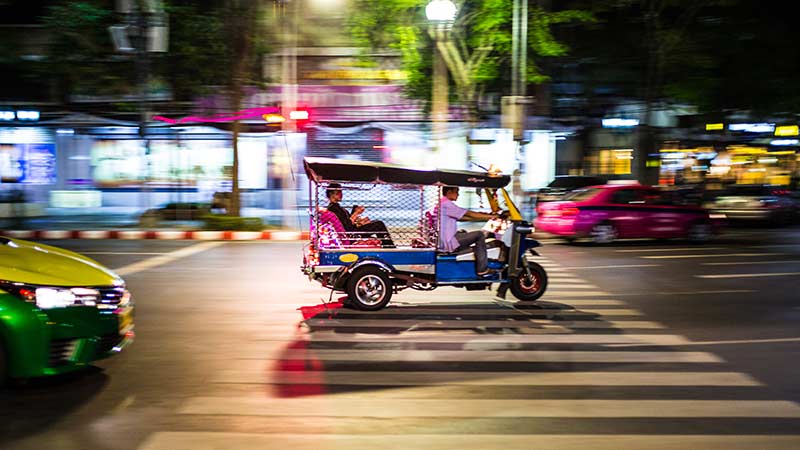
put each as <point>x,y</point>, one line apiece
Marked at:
<point>27,115</point>
<point>752,127</point>
<point>787,130</point>
<point>785,142</point>
<point>618,122</point>
<point>715,126</point>
<point>28,163</point>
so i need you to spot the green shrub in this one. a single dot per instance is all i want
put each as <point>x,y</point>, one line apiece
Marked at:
<point>219,222</point>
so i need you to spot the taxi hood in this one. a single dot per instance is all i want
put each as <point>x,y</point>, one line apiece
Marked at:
<point>40,264</point>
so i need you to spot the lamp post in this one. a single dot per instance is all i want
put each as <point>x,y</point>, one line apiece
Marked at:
<point>441,14</point>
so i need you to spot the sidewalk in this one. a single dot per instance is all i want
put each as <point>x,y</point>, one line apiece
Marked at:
<point>123,223</point>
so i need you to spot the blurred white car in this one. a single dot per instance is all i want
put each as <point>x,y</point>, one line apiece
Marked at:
<point>756,202</point>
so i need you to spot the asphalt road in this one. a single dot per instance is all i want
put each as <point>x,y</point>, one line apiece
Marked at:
<point>643,344</point>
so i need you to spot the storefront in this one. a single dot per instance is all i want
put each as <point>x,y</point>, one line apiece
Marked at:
<point>730,164</point>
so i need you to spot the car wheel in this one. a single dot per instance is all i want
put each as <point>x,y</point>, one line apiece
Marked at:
<point>529,287</point>
<point>699,232</point>
<point>604,233</point>
<point>369,288</point>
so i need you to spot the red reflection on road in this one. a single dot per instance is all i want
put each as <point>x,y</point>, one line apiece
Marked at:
<point>298,372</point>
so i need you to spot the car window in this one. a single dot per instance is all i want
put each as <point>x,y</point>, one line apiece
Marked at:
<point>574,182</point>
<point>659,198</point>
<point>746,190</point>
<point>580,195</point>
<point>628,196</point>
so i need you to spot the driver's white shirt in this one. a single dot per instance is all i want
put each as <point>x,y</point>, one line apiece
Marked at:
<point>450,213</point>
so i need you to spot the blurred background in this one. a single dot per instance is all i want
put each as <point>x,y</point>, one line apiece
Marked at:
<point>137,112</point>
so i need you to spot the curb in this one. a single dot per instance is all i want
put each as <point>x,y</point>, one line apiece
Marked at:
<point>163,235</point>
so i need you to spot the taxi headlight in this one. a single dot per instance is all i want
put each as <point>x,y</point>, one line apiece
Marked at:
<point>49,297</point>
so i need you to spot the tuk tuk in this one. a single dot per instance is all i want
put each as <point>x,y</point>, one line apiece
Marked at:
<point>405,201</point>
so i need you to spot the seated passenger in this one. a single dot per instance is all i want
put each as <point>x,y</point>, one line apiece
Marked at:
<point>451,240</point>
<point>353,222</point>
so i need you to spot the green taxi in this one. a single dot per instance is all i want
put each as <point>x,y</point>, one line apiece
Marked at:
<point>59,310</point>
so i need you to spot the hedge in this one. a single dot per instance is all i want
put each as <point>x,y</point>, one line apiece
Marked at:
<point>219,222</point>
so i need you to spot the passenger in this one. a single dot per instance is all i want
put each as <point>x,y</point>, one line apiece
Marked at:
<point>354,222</point>
<point>451,240</point>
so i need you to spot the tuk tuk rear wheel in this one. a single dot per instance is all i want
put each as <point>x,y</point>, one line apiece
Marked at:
<point>369,288</point>
<point>529,287</point>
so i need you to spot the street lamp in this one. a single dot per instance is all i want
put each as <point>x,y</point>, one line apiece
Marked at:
<point>441,14</point>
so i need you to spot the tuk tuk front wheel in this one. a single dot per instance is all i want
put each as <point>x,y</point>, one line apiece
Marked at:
<point>529,287</point>
<point>369,288</point>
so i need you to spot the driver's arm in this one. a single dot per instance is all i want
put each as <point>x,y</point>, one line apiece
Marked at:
<point>475,215</point>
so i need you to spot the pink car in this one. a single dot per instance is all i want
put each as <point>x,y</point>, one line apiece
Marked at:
<point>609,212</point>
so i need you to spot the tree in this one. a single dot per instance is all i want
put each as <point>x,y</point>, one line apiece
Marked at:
<point>79,51</point>
<point>478,52</point>
<point>244,52</point>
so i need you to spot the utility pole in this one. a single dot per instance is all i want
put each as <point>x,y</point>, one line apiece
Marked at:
<point>514,107</point>
<point>145,30</point>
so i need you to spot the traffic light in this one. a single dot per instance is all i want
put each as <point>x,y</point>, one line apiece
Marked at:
<point>301,117</point>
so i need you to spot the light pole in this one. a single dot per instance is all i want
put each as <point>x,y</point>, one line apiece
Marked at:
<point>441,14</point>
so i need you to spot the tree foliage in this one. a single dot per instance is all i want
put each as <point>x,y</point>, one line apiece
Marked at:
<point>478,53</point>
<point>77,58</point>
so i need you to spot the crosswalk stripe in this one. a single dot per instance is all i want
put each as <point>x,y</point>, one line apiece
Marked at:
<point>750,275</point>
<point>486,356</point>
<point>724,255</point>
<point>467,301</point>
<point>555,293</point>
<point>492,310</point>
<point>668,249</point>
<point>173,440</point>
<point>409,337</point>
<point>332,406</point>
<point>558,286</point>
<point>530,324</point>
<point>708,379</point>
<point>748,263</point>
<point>620,266</point>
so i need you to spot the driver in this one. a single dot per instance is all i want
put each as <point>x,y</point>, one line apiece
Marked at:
<point>451,240</point>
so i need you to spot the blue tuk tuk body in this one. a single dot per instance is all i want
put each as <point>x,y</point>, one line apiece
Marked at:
<point>357,263</point>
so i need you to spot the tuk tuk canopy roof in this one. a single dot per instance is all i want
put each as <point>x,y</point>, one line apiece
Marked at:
<point>343,170</point>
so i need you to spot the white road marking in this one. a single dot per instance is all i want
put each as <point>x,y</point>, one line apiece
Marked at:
<point>669,249</point>
<point>748,263</point>
<point>621,266</point>
<point>531,326</point>
<point>582,302</point>
<point>557,286</point>
<point>773,245</point>
<point>453,313</point>
<point>332,406</point>
<point>723,291</point>
<point>263,375</point>
<point>751,275</point>
<point>199,440</point>
<point>468,338</point>
<point>724,255</point>
<point>123,253</point>
<point>166,258</point>
<point>747,341</point>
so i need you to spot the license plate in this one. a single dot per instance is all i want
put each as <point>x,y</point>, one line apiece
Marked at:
<point>125,320</point>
